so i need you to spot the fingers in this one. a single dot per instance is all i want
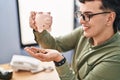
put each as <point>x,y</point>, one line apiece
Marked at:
<point>44,54</point>
<point>30,51</point>
<point>42,57</point>
<point>32,21</point>
<point>32,17</point>
<point>37,53</point>
<point>34,49</point>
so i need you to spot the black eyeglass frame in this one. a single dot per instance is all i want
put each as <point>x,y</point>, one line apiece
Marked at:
<point>78,14</point>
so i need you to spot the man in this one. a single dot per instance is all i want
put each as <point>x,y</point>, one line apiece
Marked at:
<point>96,44</point>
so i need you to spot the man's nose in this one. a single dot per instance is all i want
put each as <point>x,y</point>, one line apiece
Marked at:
<point>82,21</point>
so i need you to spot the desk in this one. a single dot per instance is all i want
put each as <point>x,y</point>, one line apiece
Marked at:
<point>26,75</point>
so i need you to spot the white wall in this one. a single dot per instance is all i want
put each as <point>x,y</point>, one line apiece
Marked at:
<point>9,31</point>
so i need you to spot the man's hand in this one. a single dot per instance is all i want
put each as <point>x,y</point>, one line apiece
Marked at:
<point>32,21</point>
<point>44,54</point>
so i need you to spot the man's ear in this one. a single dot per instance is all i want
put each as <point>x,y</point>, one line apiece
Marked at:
<point>111,17</point>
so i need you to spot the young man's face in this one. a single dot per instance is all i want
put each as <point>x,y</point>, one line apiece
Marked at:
<point>95,25</point>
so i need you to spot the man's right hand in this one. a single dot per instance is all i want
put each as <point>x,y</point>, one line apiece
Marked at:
<point>32,21</point>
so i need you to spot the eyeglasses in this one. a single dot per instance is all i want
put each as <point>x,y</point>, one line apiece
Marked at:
<point>87,16</point>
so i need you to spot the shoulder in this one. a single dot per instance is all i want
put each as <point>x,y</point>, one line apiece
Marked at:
<point>106,69</point>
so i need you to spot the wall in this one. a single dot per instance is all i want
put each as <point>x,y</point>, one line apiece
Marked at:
<point>9,36</point>
<point>9,32</point>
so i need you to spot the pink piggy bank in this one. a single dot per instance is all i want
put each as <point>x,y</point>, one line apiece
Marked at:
<point>43,21</point>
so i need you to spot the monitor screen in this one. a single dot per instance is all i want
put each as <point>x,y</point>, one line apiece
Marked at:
<point>62,12</point>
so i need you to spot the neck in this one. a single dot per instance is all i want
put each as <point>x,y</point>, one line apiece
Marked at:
<point>102,37</point>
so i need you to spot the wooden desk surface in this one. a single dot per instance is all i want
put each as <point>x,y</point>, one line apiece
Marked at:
<point>26,75</point>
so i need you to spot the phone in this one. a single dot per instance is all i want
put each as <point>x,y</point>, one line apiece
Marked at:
<point>20,62</point>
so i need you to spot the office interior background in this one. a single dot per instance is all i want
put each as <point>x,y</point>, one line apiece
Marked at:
<point>9,32</point>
